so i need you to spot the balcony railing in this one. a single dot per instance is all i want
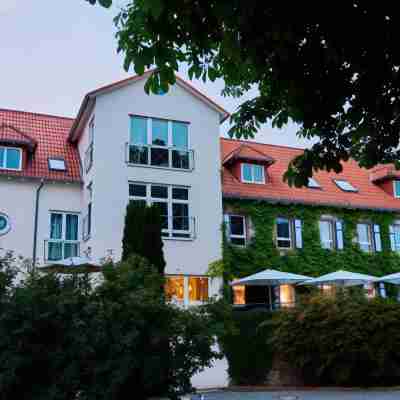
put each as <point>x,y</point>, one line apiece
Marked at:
<point>88,158</point>
<point>57,250</point>
<point>160,156</point>
<point>178,227</point>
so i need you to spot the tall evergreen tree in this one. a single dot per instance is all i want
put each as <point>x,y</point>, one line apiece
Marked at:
<point>142,234</point>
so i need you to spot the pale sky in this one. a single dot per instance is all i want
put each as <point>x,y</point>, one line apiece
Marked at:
<point>55,51</point>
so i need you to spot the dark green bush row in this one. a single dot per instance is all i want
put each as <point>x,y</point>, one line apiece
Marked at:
<point>60,339</point>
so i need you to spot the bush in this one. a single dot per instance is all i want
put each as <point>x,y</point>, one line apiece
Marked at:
<point>60,339</point>
<point>244,343</point>
<point>347,340</point>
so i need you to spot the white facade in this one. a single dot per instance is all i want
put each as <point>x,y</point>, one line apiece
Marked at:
<point>106,184</point>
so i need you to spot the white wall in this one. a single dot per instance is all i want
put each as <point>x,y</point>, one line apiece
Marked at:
<point>18,199</point>
<point>111,175</point>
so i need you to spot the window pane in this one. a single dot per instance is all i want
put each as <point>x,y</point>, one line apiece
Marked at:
<point>325,230</point>
<point>180,159</point>
<point>56,226</point>
<point>284,243</point>
<point>2,154</point>
<point>180,218</point>
<point>138,155</point>
<point>247,173</point>
<point>71,229</point>
<point>13,158</point>
<point>137,190</point>
<point>159,192</point>
<point>55,251</point>
<point>396,231</point>
<point>160,132</point>
<point>70,250</point>
<point>236,225</point>
<point>283,228</point>
<point>174,288</point>
<point>396,187</point>
<point>258,173</point>
<point>180,135</point>
<point>286,295</point>
<point>364,237</point>
<point>159,157</point>
<point>163,206</point>
<point>198,289</point>
<point>239,295</point>
<point>138,130</point>
<point>180,193</point>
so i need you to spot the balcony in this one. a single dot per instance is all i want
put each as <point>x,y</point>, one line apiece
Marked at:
<point>57,250</point>
<point>178,227</point>
<point>160,157</point>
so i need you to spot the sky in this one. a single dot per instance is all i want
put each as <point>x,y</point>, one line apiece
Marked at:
<point>52,52</point>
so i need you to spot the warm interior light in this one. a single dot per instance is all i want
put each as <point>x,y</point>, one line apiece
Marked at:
<point>287,296</point>
<point>239,295</point>
<point>174,288</point>
<point>198,288</point>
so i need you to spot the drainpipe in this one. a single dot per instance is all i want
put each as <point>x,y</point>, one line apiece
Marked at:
<point>35,227</point>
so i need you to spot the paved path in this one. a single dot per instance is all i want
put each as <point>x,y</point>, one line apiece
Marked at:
<point>305,395</point>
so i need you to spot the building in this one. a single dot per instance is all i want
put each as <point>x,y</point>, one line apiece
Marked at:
<point>65,184</point>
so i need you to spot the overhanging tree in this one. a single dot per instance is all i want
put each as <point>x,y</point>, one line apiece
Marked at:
<point>333,68</point>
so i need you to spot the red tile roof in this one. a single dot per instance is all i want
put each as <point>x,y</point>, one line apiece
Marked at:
<point>247,153</point>
<point>369,195</point>
<point>50,134</point>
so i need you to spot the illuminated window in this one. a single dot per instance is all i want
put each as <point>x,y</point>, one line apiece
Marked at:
<point>328,290</point>
<point>198,289</point>
<point>287,296</point>
<point>239,295</point>
<point>175,288</point>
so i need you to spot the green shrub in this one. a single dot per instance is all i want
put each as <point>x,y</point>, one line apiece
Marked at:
<point>244,343</point>
<point>347,340</point>
<point>61,340</point>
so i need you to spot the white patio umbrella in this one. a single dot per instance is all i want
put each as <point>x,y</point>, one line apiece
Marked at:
<point>392,278</point>
<point>341,278</point>
<point>270,277</point>
<point>72,265</point>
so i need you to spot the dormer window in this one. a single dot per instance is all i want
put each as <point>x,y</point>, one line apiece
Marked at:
<point>313,184</point>
<point>345,185</point>
<point>253,173</point>
<point>57,164</point>
<point>396,189</point>
<point>10,158</point>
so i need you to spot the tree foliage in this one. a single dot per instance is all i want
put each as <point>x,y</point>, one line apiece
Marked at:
<point>142,234</point>
<point>333,69</point>
<point>61,339</point>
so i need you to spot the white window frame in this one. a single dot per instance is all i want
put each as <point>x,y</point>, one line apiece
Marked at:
<point>395,195</point>
<point>5,158</point>
<point>170,201</point>
<point>252,173</point>
<point>312,183</point>
<point>291,238</point>
<point>350,189</point>
<point>233,236</point>
<point>370,233</point>
<point>395,246</point>
<point>186,298</point>
<point>332,228</point>
<point>60,168</point>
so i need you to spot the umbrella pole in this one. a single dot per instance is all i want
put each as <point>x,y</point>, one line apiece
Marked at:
<point>270,298</point>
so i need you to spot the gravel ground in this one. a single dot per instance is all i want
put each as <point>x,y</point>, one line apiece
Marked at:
<point>304,395</point>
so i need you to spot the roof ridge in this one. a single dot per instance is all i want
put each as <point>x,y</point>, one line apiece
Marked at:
<point>35,113</point>
<point>249,142</point>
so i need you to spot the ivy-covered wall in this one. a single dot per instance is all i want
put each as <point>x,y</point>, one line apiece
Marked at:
<point>312,259</point>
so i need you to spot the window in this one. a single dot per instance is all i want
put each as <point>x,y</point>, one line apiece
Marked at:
<point>187,289</point>
<point>288,233</point>
<point>394,231</point>
<point>365,240</point>
<point>239,295</point>
<point>89,152</point>
<point>313,184</point>
<point>253,173</point>
<point>396,189</point>
<point>331,234</point>
<point>63,242</point>
<point>87,223</point>
<point>57,164</point>
<point>286,296</point>
<point>345,185</point>
<point>5,225</point>
<point>159,143</point>
<point>173,202</point>
<point>10,158</point>
<point>236,229</point>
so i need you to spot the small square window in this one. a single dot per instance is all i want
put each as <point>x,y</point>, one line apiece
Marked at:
<point>253,173</point>
<point>159,192</point>
<point>180,193</point>
<point>57,164</point>
<point>345,185</point>
<point>313,184</point>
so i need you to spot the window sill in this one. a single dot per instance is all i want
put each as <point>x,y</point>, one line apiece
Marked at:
<point>157,167</point>
<point>191,239</point>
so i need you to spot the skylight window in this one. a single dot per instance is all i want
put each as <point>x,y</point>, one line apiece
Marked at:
<point>57,164</point>
<point>345,185</point>
<point>313,184</point>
